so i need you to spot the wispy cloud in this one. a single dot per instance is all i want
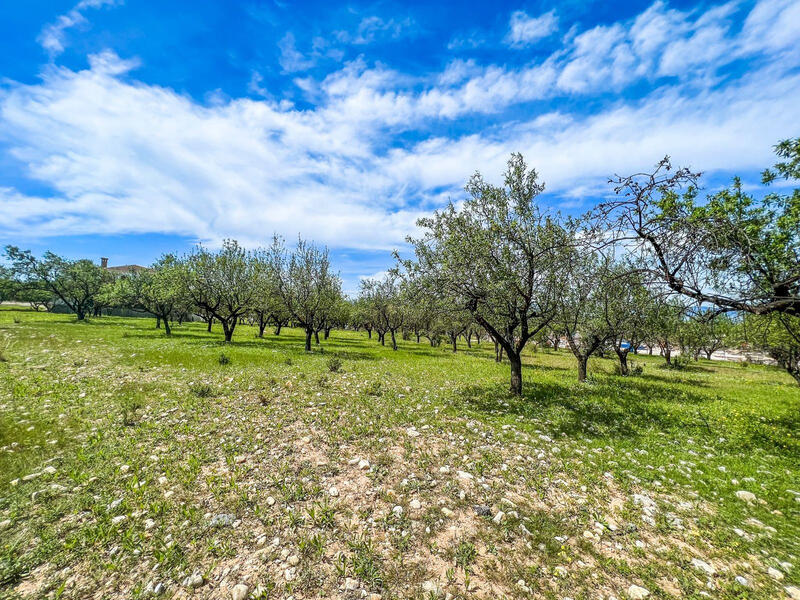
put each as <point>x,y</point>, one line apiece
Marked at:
<point>292,60</point>
<point>373,28</point>
<point>112,148</point>
<point>52,38</point>
<point>524,30</point>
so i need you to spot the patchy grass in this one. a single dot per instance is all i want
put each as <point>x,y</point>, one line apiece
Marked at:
<point>133,464</point>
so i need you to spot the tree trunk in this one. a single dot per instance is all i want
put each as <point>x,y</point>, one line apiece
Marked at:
<point>369,332</point>
<point>167,329</point>
<point>394,341</point>
<point>709,353</point>
<point>278,328</point>
<point>469,339</point>
<point>650,350</point>
<point>497,356</point>
<point>327,332</point>
<point>583,363</point>
<point>316,337</point>
<point>417,334</point>
<point>309,333</point>
<point>262,325</point>
<point>454,341</point>
<point>210,323</point>
<point>667,351</point>
<point>623,360</point>
<point>227,328</point>
<point>81,314</point>
<point>382,338</point>
<point>516,373</point>
<point>158,322</point>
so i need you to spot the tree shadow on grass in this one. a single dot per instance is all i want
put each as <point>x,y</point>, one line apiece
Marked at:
<point>292,345</point>
<point>600,409</point>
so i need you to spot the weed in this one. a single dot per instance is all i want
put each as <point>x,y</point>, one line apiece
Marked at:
<point>373,388</point>
<point>201,390</point>
<point>223,359</point>
<point>128,409</point>
<point>5,346</point>
<point>365,563</point>
<point>465,555</point>
<point>334,364</point>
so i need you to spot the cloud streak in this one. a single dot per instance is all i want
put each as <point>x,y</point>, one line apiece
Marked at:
<point>123,156</point>
<point>53,37</point>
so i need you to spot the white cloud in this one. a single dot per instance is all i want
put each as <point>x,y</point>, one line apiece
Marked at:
<point>291,59</point>
<point>373,28</point>
<point>52,37</point>
<point>524,30</point>
<point>123,156</point>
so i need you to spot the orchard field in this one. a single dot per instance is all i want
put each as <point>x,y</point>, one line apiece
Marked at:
<point>135,465</point>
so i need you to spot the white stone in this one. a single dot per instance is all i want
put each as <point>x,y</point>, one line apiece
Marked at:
<point>746,496</point>
<point>636,592</point>
<point>350,584</point>
<point>239,592</point>
<point>333,491</point>
<point>774,573</point>
<point>363,464</point>
<point>432,587</point>
<point>415,504</point>
<point>703,566</point>
<point>193,581</point>
<point>793,592</point>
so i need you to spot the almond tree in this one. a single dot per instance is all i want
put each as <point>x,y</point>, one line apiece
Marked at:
<point>307,285</point>
<point>77,283</point>
<point>268,305</point>
<point>158,290</point>
<point>222,283</point>
<point>583,306</point>
<point>779,336</point>
<point>497,257</point>
<point>626,312</point>
<point>386,301</point>
<point>733,251</point>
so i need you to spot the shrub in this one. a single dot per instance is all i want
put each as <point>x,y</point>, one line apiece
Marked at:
<point>634,368</point>
<point>373,388</point>
<point>5,346</point>
<point>224,359</point>
<point>334,364</point>
<point>128,408</point>
<point>201,390</point>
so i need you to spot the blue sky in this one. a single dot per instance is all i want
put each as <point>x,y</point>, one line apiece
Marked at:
<point>131,128</point>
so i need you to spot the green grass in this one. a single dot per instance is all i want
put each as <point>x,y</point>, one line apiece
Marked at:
<point>166,434</point>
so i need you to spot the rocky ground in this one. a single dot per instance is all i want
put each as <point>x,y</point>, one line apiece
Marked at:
<point>138,472</point>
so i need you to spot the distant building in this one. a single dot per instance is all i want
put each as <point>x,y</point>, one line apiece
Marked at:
<point>122,269</point>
